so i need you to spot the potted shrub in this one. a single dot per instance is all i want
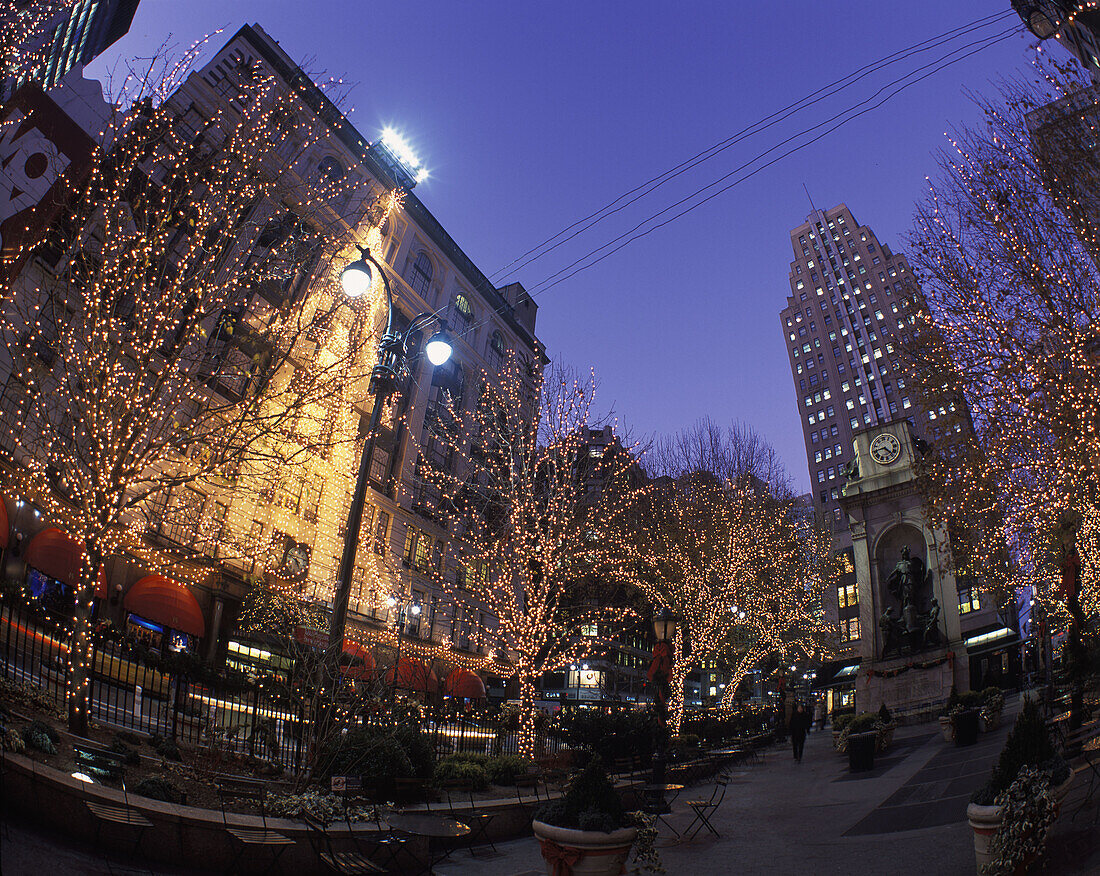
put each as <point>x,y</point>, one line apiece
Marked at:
<point>993,703</point>
<point>840,722</point>
<point>585,832</point>
<point>947,725</point>
<point>1016,815</point>
<point>860,738</point>
<point>965,718</point>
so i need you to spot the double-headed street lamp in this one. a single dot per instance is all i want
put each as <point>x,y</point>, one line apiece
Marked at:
<point>393,354</point>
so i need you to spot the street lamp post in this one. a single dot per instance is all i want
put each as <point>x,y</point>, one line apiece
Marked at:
<point>401,611</point>
<point>393,353</point>
<point>665,623</point>
<point>1042,17</point>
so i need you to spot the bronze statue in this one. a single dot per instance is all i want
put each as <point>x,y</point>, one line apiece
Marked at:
<point>851,469</point>
<point>909,576</point>
<point>932,623</point>
<point>893,631</point>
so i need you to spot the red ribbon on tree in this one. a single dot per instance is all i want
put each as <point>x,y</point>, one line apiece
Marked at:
<point>561,858</point>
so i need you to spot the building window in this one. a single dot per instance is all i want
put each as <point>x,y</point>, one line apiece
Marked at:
<point>496,351</point>
<point>847,595</point>
<point>420,274</point>
<point>968,600</point>
<point>849,629</point>
<point>462,314</point>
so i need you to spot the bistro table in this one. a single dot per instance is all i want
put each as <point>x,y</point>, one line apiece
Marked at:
<point>656,803</point>
<point>430,826</point>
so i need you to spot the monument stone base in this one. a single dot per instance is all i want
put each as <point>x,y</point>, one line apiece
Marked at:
<point>912,690</point>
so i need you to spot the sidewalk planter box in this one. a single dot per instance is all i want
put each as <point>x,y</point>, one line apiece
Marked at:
<point>947,727</point>
<point>584,852</point>
<point>861,751</point>
<point>966,727</point>
<point>985,820</point>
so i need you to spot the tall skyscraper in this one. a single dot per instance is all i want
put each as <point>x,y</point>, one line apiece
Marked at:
<point>80,34</point>
<point>847,301</point>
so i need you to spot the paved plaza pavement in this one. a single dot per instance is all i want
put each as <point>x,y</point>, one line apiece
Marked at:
<point>907,816</point>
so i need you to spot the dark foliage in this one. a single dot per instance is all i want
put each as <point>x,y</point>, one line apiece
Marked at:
<point>1028,744</point>
<point>590,802</point>
<point>159,788</point>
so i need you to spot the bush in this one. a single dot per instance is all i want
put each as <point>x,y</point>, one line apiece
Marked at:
<point>159,788</point>
<point>884,714</point>
<point>418,748</point>
<point>841,721</point>
<point>1028,744</point>
<point>168,749</point>
<point>320,804</point>
<point>504,769</point>
<point>863,722</point>
<point>972,699</point>
<point>128,754</point>
<point>623,733</point>
<point>590,802</point>
<point>461,771</point>
<point>41,737</point>
<point>364,751</point>
<point>993,700</point>
<point>952,702</point>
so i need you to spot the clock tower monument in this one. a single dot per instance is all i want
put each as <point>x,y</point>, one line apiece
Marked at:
<point>911,648</point>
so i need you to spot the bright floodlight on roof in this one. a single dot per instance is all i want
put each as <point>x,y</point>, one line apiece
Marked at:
<point>401,150</point>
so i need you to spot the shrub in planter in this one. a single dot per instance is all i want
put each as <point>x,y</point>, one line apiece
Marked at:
<point>419,749</point>
<point>1027,812</point>
<point>129,755</point>
<point>462,771</point>
<point>993,703</point>
<point>169,750</point>
<point>884,715</point>
<point>320,804</point>
<point>159,788</point>
<point>1027,750</point>
<point>586,831</point>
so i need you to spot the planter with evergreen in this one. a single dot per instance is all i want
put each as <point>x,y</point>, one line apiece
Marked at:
<point>1011,813</point>
<point>585,832</point>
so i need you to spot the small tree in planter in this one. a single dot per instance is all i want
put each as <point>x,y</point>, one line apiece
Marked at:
<point>999,812</point>
<point>993,703</point>
<point>947,725</point>
<point>886,725</point>
<point>586,832</point>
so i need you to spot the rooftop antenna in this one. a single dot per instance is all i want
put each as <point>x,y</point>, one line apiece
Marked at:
<point>808,198</point>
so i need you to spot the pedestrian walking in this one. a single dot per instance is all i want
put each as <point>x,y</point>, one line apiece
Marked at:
<point>800,726</point>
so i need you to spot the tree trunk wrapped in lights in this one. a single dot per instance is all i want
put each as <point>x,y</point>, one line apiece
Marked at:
<point>190,331</point>
<point>1004,333</point>
<point>532,530</point>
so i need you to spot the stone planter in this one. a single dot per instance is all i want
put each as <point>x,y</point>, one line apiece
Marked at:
<point>985,820</point>
<point>947,727</point>
<point>966,727</point>
<point>584,852</point>
<point>861,751</point>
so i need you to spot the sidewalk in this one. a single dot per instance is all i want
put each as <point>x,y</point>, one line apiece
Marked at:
<point>905,818</point>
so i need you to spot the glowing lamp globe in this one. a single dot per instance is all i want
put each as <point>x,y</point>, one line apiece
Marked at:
<point>438,348</point>
<point>356,279</point>
<point>664,624</point>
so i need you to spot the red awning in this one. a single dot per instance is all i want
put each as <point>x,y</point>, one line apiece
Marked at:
<point>56,554</point>
<point>356,661</point>
<point>166,602</point>
<point>412,675</point>
<point>5,530</point>
<point>464,683</point>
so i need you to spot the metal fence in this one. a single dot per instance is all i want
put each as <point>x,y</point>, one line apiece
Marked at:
<point>256,718</point>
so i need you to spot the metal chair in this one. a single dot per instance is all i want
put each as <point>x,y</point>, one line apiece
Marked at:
<point>704,809</point>
<point>350,863</point>
<point>98,761</point>
<point>243,788</point>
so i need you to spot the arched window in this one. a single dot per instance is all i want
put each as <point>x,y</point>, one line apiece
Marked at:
<point>462,314</point>
<point>330,170</point>
<point>496,351</point>
<point>420,273</point>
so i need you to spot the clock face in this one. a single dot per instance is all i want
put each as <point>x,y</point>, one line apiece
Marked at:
<point>885,448</point>
<point>296,562</point>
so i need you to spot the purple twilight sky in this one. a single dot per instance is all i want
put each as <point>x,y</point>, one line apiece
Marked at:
<point>532,116</point>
